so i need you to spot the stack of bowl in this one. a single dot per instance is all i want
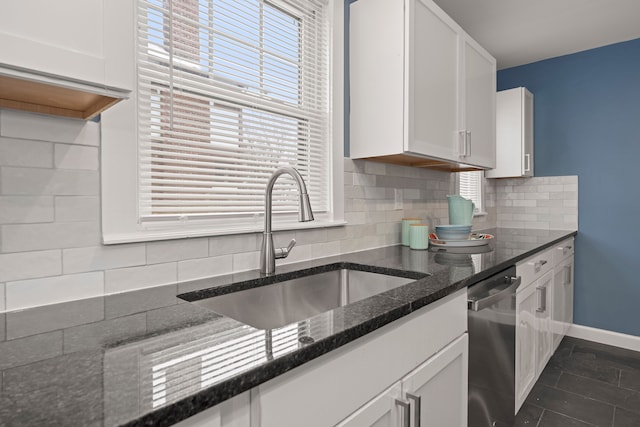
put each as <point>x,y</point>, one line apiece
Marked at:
<point>453,232</point>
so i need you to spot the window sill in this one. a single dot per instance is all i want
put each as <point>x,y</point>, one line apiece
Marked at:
<point>480,214</point>
<point>185,233</point>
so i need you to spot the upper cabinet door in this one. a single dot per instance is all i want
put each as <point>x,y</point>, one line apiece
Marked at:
<point>413,102</point>
<point>514,134</point>
<point>479,91</point>
<point>432,84</point>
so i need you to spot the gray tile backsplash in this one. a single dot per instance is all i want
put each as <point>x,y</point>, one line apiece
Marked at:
<point>50,245</point>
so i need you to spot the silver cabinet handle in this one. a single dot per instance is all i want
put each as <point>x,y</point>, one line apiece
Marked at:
<point>481,304</point>
<point>567,274</point>
<point>467,150</point>
<point>538,265</point>
<point>566,249</point>
<point>462,143</point>
<point>406,411</point>
<point>542,299</point>
<point>416,408</point>
<point>527,162</point>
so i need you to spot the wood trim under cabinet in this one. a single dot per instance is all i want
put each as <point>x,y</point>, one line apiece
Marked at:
<point>35,97</point>
<point>421,162</point>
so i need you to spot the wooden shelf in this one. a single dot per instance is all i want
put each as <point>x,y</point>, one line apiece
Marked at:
<point>47,96</point>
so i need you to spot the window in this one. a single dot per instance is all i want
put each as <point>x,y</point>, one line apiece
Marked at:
<point>227,92</point>
<point>470,187</point>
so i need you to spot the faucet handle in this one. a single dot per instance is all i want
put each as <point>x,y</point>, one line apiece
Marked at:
<point>284,252</point>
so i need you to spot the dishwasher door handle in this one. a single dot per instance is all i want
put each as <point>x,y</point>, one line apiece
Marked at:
<point>481,304</point>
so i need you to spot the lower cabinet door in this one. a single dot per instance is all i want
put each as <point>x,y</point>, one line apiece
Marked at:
<point>562,299</point>
<point>437,389</point>
<point>526,342</point>
<point>382,411</point>
<point>544,288</point>
<point>567,292</point>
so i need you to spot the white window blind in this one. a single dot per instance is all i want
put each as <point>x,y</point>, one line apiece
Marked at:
<point>228,91</point>
<point>470,187</point>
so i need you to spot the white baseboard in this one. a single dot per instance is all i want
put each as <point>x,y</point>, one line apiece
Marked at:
<point>603,336</point>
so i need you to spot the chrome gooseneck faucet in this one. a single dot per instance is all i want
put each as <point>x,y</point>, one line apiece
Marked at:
<point>269,254</point>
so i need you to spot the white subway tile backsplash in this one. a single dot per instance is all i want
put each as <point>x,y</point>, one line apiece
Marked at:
<point>375,193</point>
<point>51,290</point>
<point>223,245</point>
<point>547,202</point>
<point>25,153</point>
<point>58,182</point>
<point>76,157</point>
<point>204,267</point>
<point>29,265</point>
<point>176,250</point>
<point>246,261</point>
<point>26,209</point>
<point>50,202</point>
<point>16,124</point>
<point>326,249</point>
<point>34,237</point>
<point>550,188</point>
<point>3,304</point>
<point>77,208</point>
<point>364,180</point>
<point>375,168</point>
<point>132,278</point>
<point>101,257</point>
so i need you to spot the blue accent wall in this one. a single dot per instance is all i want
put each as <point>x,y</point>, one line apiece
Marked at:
<point>587,123</point>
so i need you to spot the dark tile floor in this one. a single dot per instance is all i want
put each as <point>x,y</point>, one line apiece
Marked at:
<point>585,384</point>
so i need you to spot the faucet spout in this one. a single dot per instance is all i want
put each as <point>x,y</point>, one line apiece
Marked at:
<point>268,253</point>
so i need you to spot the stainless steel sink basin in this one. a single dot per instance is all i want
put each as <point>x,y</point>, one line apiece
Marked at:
<point>282,303</point>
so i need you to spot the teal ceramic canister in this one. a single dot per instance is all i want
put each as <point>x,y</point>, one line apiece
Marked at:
<point>418,236</point>
<point>406,222</point>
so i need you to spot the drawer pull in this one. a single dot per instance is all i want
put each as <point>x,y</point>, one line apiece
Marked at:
<point>538,265</point>
<point>406,412</point>
<point>567,274</point>
<point>542,299</point>
<point>416,408</point>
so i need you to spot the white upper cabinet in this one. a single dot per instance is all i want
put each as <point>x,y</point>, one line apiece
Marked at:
<point>63,55</point>
<point>422,91</point>
<point>514,134</point>
<point>479,105</point>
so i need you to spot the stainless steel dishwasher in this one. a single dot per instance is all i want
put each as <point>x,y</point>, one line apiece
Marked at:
<point>492,350</point>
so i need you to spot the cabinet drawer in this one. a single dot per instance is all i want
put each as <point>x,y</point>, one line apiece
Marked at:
<point>532,268</point>
<point>562,250</point>
<point>347,378</point>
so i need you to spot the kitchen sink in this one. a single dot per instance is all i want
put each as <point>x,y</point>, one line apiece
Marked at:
<point>282,303</point>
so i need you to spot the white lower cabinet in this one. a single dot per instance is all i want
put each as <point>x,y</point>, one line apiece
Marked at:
<point>544,312</point>
<point>434,394</point>
<point>563,272</point>
<point>544,290</point>
<point>424,353</point>
<point>383,410</point>
<point>526,342</point>
<point>534,335</point>
<point>234,412</point>
<point>438,388</point>
<point>414,367</point>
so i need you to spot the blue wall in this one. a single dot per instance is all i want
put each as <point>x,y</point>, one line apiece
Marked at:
<point>587,123</point>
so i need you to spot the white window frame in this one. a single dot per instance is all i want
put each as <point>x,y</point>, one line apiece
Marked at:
<point>119,149</point>
<point>481,209</point>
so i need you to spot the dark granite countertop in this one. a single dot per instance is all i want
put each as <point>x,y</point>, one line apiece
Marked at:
<point>150,358</point>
